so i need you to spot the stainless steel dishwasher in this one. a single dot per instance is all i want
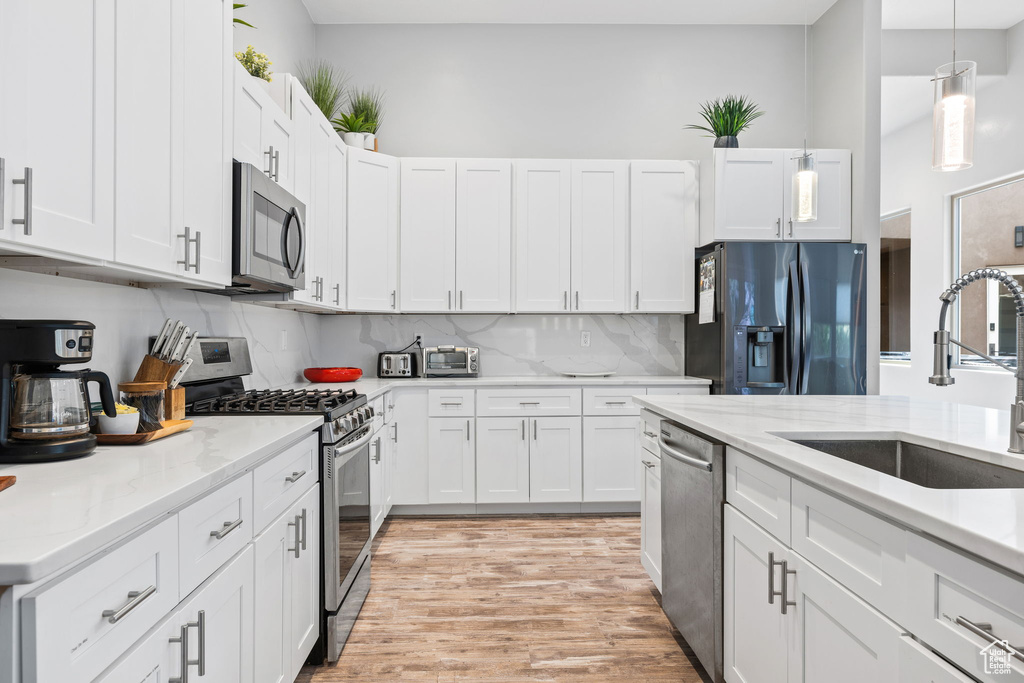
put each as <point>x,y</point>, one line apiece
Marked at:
<point>692,492</point>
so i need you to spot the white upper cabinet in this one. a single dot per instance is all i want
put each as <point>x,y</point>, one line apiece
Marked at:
<point>753,196</point>
<point>542,218</point>
<point>428,235</point>
<point>483,235</point>
<point>63,133</point>
<point>663,229</point>
<point>337,199</point>
<point>600,237</point>
<point>304,183</point>
<point>834,198</point>
<point>372,231</point>
<point>264,135</point>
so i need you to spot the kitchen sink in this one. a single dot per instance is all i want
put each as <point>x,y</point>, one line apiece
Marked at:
<point>928,467</point>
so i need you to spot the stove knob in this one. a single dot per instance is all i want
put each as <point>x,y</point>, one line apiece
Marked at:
<point>369,412</point>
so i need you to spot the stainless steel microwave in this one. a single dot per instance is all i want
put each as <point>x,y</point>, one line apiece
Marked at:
<point>269,234</point>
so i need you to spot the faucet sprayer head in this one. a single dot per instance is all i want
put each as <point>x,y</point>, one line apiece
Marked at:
<point>940,366</point>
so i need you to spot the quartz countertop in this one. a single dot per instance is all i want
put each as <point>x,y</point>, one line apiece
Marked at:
<point>986,522</point>
<point>373,387</point>
<point>59,513</point>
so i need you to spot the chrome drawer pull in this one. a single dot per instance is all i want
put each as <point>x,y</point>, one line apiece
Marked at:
<point>615,403</point>
<point>448,405</point>
<point>650,434</point>
<point>786,571</point>
<point>980,630</point>
<point>183,658</point>
<point>529,403</point>
<point>303,528</point>
<point>648,465</point>
<point>295,476</point>
<point>771,579</point>
<point>27,183</point>
<point>135,598</point>
<point>298,547</point>
<point>227,529</point>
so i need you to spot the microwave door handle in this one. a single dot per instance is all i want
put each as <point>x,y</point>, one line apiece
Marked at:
<point>296,268</point>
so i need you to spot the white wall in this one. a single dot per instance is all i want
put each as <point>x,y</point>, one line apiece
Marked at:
<point>847,114</point>
<point>569,91</point>
<point>909,182</point>
<point>284,32</point>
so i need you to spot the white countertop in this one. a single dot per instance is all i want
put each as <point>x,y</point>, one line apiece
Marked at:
<point>59,513</point>
<point>986,522</point>
<point>373,387</point>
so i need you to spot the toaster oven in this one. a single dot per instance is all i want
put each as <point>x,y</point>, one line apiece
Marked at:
<point>447,361</point>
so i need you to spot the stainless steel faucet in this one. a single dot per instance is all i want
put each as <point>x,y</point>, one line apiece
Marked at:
<point>943,360</point>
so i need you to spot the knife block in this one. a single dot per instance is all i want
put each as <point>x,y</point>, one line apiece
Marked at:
<point>174,403</point>
<point>153,369</point>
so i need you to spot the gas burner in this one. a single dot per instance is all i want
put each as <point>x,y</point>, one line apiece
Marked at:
<point>329,403</point>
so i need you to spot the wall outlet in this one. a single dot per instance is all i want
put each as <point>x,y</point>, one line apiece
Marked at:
<point>283,341</point>
<point>584,338</point>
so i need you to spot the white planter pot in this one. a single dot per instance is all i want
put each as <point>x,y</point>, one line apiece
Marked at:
<point>369,141</point>
<point>353,139</point>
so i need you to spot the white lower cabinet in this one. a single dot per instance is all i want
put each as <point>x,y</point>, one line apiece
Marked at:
<point>503,460</point>
<point>451,460</point>
<point>556,460</point>
<point>611,468</point>
<point>377,465</point>
<point>287,578</point>
<point>650,516</point>
<point>210,635</point>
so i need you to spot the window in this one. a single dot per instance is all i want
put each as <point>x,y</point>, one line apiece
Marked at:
<point>987,236</point>
<point>895,290</point>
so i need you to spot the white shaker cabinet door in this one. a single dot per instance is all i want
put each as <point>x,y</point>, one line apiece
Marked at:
<point>64,134</point>
<point>273,554</point>
<point>834,222</point>
<point>337,201</point>
<point>600,236</point>
<point>611,467</point>
<point>252,105</point>
<point>483,235</point>
<point>556,460</point>
<point>749,199</point>
<point>304,582</point>
<point>372,231</point>
<point>542,231</point>
<point>503,460</point>
<point>451,453</point>
<point>663,229</point>
<point>428,235</point>
<point>304,184</point>
<point>650,517</point>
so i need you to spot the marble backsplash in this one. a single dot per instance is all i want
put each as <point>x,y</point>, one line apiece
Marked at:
<point>516,344</point>
<point>125,318</point>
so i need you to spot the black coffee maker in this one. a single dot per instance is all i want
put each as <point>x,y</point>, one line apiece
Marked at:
<point>45,412</point>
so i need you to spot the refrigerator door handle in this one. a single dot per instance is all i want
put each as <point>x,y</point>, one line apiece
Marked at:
<point>795,336</point>
<point>805,352</point>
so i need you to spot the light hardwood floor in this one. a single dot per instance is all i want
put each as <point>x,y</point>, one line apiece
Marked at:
<point>511,599</point>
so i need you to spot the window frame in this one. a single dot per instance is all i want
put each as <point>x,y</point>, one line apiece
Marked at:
<point>907,358</point>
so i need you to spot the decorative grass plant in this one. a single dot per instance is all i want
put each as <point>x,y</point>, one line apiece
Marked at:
<point>325,84</point>
<point>368,104</point>
<point>727,117</point>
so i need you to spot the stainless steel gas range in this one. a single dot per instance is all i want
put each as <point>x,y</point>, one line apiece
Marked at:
<point>345,499</point>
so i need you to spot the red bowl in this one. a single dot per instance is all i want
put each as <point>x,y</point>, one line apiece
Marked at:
<point>332,375</point>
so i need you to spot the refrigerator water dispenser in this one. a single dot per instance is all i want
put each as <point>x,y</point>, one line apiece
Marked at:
<point>760,357</point>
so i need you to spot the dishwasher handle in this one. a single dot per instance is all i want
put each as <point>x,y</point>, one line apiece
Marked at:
<point>683,457</point>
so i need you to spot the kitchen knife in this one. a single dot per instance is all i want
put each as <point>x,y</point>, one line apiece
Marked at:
<point>176,380</point>
<point>174,355</point>
<point>165,352</point>
<point>161,338</point>
<point>189,345</point>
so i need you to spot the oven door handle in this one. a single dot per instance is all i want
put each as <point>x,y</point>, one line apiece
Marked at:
<point>354,446</point>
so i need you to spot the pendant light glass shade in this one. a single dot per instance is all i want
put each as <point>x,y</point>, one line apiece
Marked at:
<point>953,117</point>
<point>805,189</point>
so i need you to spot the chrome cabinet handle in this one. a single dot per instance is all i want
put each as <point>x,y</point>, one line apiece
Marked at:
<point>449,299</point>
<point>189,240</point>
<point>227,529</point>
<point>277,165</point>
<point>376,450</point>
<point>337,294</point>
<point>394,295</point>
<point>201,625</point>
<point>183,657</point>
<point>577,299</point>
<point>295,476</point>
<point>784,594</point>
<point>534,430</point>
<point>467,430</point>
<point>199,250</point>
<point>984,631</point>
<point>303,528</point>
<point>790,227</point>
<point>648,465</point>
<point>565,300</point>
<point>3,190</point>
<point>771,579</point>
<point>650,434</point>
<point>449,405</point>
<point>27,182</point>
<point>295,526</point>
<point>270,162</point>
<point>185,662</point>
<point>778,227</point>
<point>462,301</point>
<point>522,431</point>
<point>638,299</point>
<point>529,403</point>
<point>135,598</point>
<point>395,427</point>
<point>615,403</point>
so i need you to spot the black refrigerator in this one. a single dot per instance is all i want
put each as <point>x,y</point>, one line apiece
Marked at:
<point>780,318</point>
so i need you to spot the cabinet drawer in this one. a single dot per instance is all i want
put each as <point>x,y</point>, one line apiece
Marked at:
<point>611,400</point>
<point>759,491</point>
<point>282,481</point>
<point>947,592</point>
<point>859,550</point>
<point>650,425</point>
<point>389,407</point>
<point>212,529</point>
<point>533,402</point>
<point>918,664</point>
<point>67,628</point>
<point>450,403</point>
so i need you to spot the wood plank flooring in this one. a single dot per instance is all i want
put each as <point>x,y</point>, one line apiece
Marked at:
<point>511,599</point>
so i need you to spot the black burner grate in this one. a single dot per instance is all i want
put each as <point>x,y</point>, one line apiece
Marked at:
<point>280,402</point>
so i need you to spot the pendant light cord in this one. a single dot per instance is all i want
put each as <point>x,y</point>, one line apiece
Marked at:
<point>954,37</point>
<point>806,98</point>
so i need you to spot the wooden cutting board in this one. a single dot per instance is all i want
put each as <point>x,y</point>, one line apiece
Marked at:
<point>169,427</point>
<point>7,482</point>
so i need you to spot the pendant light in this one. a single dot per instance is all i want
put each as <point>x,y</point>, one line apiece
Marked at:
<point>805,180</point>
<point>953,113</point>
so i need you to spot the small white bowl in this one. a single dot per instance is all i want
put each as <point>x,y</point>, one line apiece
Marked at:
<point>122,423</point>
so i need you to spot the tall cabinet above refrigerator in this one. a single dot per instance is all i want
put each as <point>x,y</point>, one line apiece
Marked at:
<point>780,318</point>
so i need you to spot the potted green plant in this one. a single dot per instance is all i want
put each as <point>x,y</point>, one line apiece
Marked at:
<point>240,5</point>
<point>325,84</point>
<point>353,129</point>
<point>369,105</point>
<point>727,118</point>
<point>257,64</point>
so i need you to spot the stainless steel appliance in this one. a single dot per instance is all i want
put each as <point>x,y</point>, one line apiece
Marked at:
<point>398,364</point>
<point>692,495</point>
<point>447,361</point>
<point>780,318</point>
<point>269,237</point>
<point>345,501</point>
<point>45,412</point>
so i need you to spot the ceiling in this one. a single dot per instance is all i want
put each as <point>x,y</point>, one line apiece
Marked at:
<point>567,11</point>
<point>1000,14</point>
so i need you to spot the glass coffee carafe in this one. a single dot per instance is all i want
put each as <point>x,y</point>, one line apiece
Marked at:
<point>53,405</point>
